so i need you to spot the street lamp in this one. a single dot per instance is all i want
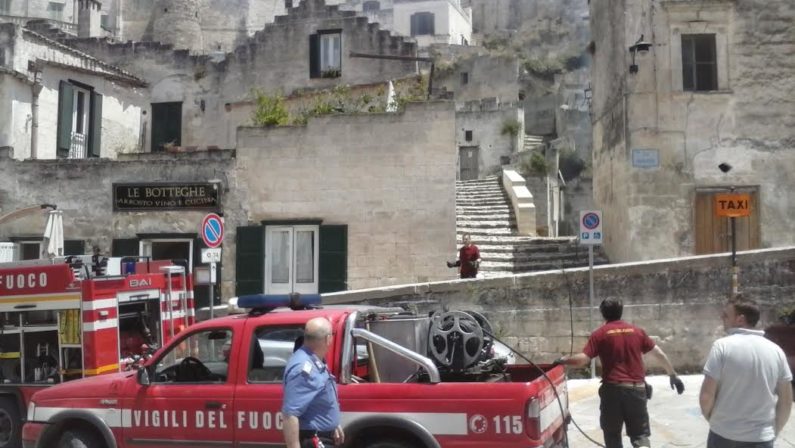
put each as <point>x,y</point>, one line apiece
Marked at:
<point>725,168</point>
<point>639,46</point>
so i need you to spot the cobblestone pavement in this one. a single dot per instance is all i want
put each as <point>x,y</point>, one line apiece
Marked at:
<point>676,420</point>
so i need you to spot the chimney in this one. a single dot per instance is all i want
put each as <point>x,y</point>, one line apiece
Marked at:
<point>88,19</point>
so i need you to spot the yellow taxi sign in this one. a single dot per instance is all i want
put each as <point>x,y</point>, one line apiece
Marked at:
<point>735,205</point>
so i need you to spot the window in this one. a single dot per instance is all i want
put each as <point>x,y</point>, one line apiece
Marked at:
<point>292,259</point>
<point>422,24</point>
<point>103,21</point>
<point>699,63</point>
<point>325,53</point>
<point>166,125</point>
<point>371,6</point>
<point>201,357</point>
<point>55,11</point>
<point>5,7</point>
<point>270,350</point>
<point>464,78</point>
<point>29,250</point>
<point>468,136</point>
<point>79,121</point>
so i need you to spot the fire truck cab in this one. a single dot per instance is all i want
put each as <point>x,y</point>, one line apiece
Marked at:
<point>66,319</point>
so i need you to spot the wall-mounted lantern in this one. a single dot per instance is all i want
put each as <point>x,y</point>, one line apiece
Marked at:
<point>640,46</point>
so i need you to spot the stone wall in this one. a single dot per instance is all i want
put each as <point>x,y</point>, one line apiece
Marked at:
<point>389,178</point>
<point>678,301</point>
<point>486,121</point>
<point>744,122</point>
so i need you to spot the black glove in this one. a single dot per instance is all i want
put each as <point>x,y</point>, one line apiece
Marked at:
<point>558,362</point>
<point>677,384</point>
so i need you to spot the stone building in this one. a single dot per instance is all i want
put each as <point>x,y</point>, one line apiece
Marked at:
<point>58,102</point>
<point>711,89</point>
<point>194,99</point>
<point>329,206</point>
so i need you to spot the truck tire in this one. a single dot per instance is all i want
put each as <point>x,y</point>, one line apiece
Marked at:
<point>80,439</point>
<point>388,444</point>
<point>10,424</point>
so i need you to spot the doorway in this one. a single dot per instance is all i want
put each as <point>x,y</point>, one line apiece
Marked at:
<point>713,233</point>
<point>291,259</point>
<point>468,162</point>
<point>169,249</point>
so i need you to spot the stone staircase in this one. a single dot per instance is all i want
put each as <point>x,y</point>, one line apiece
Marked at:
<point>484,211</point>
<point>532,142</point>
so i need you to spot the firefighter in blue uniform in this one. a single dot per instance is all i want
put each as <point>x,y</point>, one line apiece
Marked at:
<point>311,408</point>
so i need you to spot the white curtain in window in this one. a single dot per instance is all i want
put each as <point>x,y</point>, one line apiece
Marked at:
<point>305,256</point>
<point>280,265</point>
<point>330,52</point>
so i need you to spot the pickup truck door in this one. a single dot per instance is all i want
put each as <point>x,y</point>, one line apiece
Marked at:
<point>258,398</point>
<point>188,402</point>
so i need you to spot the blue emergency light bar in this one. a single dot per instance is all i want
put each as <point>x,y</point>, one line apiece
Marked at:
<point>267,302</point>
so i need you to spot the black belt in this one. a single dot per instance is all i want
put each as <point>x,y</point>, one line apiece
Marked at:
<point>627,384</point>
<point>309,433</point>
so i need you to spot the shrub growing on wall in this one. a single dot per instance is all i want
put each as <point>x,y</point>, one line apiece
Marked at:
<point>270,110</point>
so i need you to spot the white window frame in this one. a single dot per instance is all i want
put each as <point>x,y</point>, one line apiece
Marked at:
<point>292,285</point>
<point>18,248</point>
<point>330,52</point>
<point>145,247</point>
<point>5,7</point>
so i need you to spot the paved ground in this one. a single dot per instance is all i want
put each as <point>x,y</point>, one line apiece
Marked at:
<point>676,420</point>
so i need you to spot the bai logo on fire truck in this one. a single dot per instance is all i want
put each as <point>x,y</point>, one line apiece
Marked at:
<point>32,280</point>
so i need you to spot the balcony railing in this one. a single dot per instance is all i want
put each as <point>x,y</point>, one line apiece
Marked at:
<point>66,27</point>
<point>78,149</point>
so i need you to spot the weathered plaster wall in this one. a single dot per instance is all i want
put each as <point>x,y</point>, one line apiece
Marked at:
<point>678,302</point>
<point>747,122</point>
<point>390,178</point>
<point>275,59</point>
<point>486,120</point>
<point>489,76</point>
<point>121,106</point>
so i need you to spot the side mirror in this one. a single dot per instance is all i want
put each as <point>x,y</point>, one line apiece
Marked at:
<point>143,377</point>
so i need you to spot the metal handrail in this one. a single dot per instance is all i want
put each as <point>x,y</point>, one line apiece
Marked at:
<point>422,361</point>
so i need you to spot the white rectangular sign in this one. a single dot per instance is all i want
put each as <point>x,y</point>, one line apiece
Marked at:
<point>591,227</point>
<point>211,255</point>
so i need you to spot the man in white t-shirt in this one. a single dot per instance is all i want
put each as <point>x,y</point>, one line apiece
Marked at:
<point>746,395</point>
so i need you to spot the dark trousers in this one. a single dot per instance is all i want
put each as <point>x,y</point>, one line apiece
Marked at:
<point>622,405</point>
<point>306,439</point>
<point>716,441</point>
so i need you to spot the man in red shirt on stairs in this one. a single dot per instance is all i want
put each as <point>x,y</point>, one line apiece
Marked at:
<point>468,259</point>
<point>620,347</point>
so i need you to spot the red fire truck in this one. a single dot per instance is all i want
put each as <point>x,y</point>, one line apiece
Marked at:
<point>404,381</point>
<point>61,321</point>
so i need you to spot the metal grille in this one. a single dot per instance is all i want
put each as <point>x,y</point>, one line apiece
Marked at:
<point>77,150</point>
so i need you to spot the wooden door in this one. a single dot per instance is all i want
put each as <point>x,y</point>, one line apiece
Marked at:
<point>713,233</point>
<point>468,162</point>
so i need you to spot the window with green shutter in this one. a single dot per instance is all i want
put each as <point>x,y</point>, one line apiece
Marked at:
<point>66,105</point>
<point>333,263</point>
<point>74,247</point>
<point>125,247</point>
<point>249,260</point>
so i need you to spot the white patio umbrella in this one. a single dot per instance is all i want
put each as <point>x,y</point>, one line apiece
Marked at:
<point>53,236</point>
<point>391,101</point>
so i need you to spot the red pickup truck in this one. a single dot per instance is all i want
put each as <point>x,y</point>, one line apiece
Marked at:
<point>405,381</point>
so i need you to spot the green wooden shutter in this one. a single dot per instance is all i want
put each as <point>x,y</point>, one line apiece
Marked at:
<point>66,104</point>
<point>250,260</point>
<point>95,129</point>
<point>314,56</point>
<point>333,258</point>
<point>125,247</point>
<point>74,247</point>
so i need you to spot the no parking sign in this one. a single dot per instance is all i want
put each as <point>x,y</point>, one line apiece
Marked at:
<point>212,230</point>
<point>591,227</point>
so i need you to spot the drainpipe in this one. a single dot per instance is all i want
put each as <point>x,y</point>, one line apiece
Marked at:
<point>35,90</point>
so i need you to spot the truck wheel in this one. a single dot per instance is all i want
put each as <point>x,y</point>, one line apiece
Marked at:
<point>10,424</point>
<point>388,444</point>
<point>80,439</point>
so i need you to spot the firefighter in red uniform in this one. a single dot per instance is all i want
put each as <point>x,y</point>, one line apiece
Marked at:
<point>620,347</point>
<point>468,259</point>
